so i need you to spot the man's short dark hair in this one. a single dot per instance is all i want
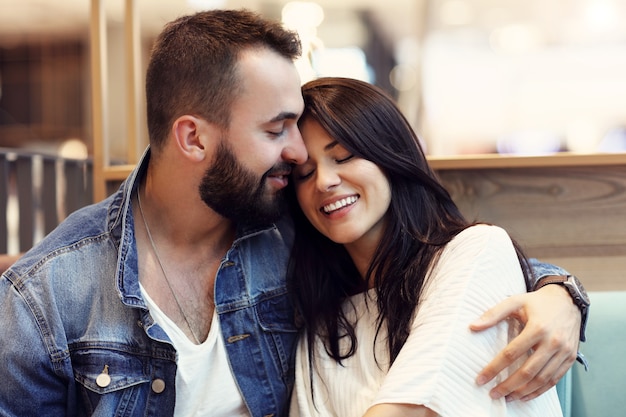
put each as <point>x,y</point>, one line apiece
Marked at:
<point>193,65</point>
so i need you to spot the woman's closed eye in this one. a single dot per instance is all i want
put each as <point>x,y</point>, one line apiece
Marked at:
<point>344,159</point>
<point>304,172</point>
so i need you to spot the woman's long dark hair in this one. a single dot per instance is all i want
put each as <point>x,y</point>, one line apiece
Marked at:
<point>422,219</point>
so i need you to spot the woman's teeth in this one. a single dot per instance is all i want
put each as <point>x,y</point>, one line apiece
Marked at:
<point>339,204</point>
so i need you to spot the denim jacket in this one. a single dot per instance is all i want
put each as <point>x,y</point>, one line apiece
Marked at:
<point>77,338</point>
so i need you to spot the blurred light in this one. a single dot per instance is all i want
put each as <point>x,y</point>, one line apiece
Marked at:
<point>614,140</point>
<point>601,15</point>
<point>342,62</point>
<point>407,51</point>
<point>304,18</point>
<point>302,14</point>
<point>515,38</point>
<point>582,136</point>
<point>403,77</point>
<point>530,142</point>
<point>455,13</point>
<point>206,4</point>
<point>73,149</point>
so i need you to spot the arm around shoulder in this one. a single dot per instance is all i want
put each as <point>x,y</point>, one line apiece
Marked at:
<point>553,327</point>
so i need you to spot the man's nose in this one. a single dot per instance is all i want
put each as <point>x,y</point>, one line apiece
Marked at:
<point>295,151</point>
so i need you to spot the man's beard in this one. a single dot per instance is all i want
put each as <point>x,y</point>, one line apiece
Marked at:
<point>237,194</point>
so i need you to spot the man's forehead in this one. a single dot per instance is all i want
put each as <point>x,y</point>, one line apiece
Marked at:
<point>269,85</point>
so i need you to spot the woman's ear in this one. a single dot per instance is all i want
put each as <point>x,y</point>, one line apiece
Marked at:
<point>193,136</point>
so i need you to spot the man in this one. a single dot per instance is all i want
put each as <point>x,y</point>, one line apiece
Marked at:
<point>169,296</point>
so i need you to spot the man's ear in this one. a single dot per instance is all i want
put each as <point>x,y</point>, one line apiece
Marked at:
<point>193,136</point>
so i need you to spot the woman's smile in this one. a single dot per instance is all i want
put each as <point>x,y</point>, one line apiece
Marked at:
<point>338,205</point>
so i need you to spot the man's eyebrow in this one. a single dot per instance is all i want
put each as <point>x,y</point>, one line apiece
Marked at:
<point>285,116</point>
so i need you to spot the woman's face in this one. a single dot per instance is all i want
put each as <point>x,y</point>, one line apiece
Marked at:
<point>345,197</point>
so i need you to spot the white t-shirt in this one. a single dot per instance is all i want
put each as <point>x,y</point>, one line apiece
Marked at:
<point>205,385</point>
<point>441,358</point>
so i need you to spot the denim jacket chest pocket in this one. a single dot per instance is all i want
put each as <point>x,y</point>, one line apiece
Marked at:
<point>114,380</point>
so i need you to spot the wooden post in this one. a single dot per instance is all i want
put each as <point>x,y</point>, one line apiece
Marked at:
<point>99,97</point>
<point>133,65</point>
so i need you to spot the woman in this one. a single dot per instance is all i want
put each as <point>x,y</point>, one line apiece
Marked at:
<point>396,273</point>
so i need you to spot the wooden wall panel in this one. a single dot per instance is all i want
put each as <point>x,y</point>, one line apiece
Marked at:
<point>573,216</point>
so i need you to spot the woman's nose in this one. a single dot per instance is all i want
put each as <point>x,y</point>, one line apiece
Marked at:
<point>326,179</point>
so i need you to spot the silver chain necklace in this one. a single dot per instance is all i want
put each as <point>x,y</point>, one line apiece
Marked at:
<point>156,253</point>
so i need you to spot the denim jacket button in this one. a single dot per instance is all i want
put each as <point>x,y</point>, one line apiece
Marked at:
<point>103,380</point>
<point>158,386</point>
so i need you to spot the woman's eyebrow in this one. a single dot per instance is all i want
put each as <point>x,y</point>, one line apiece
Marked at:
<point>331,145</point>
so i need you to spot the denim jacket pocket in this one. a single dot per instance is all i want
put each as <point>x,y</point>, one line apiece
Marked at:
<point>110,379</point>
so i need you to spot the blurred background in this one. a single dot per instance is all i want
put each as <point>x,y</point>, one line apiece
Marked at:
<point>472,76</point>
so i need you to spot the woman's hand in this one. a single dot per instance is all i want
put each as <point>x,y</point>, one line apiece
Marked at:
<point>551,332</point>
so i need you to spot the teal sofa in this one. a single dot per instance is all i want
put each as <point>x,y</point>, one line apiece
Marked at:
<point>601,391</point>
